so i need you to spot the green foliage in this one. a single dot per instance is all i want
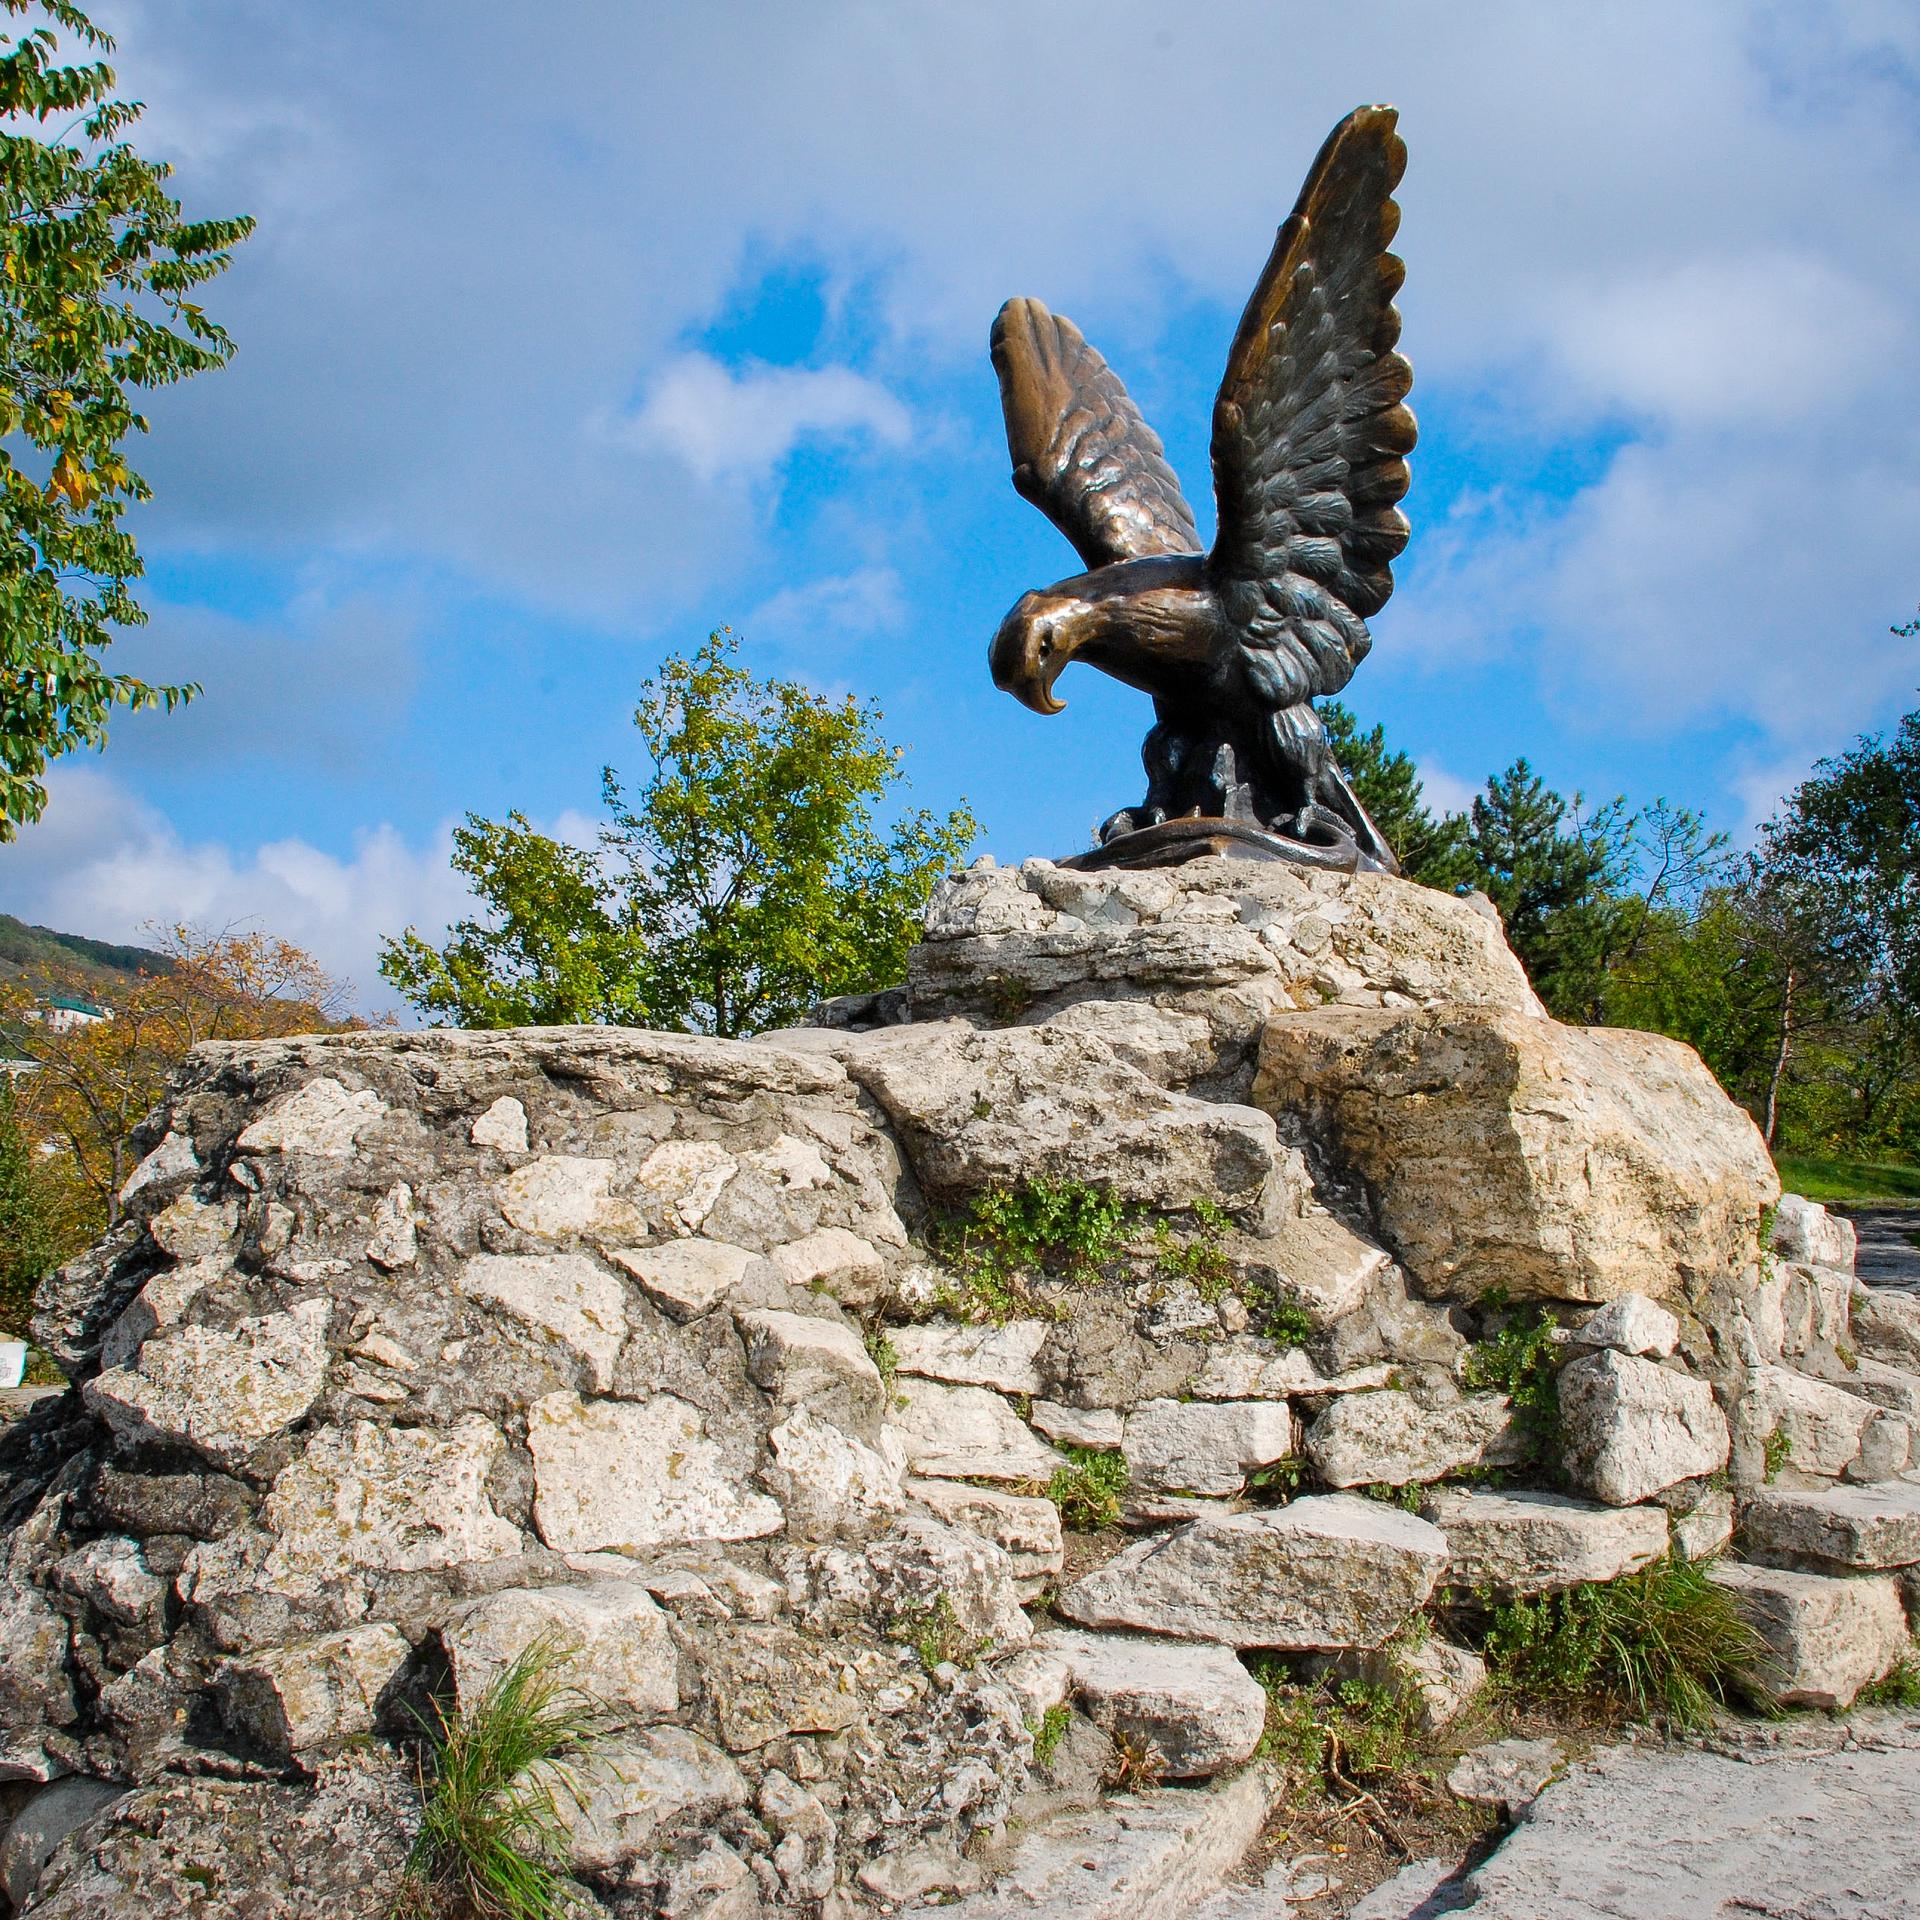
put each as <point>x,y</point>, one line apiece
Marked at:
<point>1048,1731</point>
<point>1899,1686</point>
<point>1777,1450</point>
<point>935,1633</point>
<point>1088,1492</point>
<point>1519,1358</point>
<point>491,1788</point>
<point>1408,1498</point>
<point>42,1221</point>
<point>1434,849</point>
<point>1277,1482</point>
<point>1338,1733</point>
<point>885,1357</point>
<point>1665,1643</point>
<point>1840,1182</point>
<point>744,882</point>
<point>39,953</point>
<point>1200,1260</point>
<point>1010,1236</point>
<point>96,272</point>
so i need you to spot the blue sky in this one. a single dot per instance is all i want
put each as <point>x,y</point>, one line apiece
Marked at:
<point>572,331</point>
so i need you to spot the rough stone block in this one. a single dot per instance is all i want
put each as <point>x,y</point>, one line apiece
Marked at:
<point>1804,1230</point>
<point>1826,1638</point>
<point>1098,1429</point>
<point>1631,1428</point>
<point>1326,1572</point>
<point>1537,1542</point>
<point>1001,1357</point>
<point>1197,1707</point>
<point>572,1299</point>
<point>828,1481</point>
<point>1633,1324</point>
<point>614,1640</point>
<point>802,1360</point>
<point>635,1474</point>
<point>1834,1529</point>
<point>1387,1438</point>
<point>639,1791</point>
<point>686,1278</point>
<point>39,1827</point>
<point>321,1118</point>
<point>1566,1163</point>
<point>1176,1446</point>
<point>967,1433</point>
<point>1024,1527</point>
<point>1820,1426</point>
<point>312,1692</point>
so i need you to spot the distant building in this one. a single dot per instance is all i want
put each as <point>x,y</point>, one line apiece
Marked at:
<point>64,1011</point>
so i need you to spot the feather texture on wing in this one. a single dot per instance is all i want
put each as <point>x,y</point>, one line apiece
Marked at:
<point>1081,452</point>
<point>1310,433</point>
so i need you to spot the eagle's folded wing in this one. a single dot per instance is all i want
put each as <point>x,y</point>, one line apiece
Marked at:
<point>1081,452</point>
<point>1310,436</point>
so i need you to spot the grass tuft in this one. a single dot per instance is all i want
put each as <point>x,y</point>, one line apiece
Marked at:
<point>491,1784</point>
<point>1089,1491</point>
<point>1663,1644</point>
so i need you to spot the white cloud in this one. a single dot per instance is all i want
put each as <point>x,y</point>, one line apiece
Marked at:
<point>104,863</point>
<point>723,424</point>
<point>1444,792</point>
<point>839,607</point>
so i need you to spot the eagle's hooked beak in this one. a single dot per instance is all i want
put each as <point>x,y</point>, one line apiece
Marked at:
<point>1029,651</point>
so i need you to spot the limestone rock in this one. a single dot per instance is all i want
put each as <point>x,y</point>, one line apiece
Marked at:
<point>613,1637</point>
<point>388,1499</point>
<point>1506,1774</point>
<point>1024,1527</point>
<point>396,1241</point>
<point>173,1163</point>
<point>638,1790</point>
<point>827,1481</point>
<point>1172,1048</point>
<point>967,1433</point>
<point>686,1278</point>
<point>836,1261</point>
<point>321,1118</point>
<point>1175,1446</point>
<point>1834,1529</point>
<point>1315,1259</point>
<point>629,1475</point>
<point>1887,1324</point>
<point>1569,1163</point>
<point>766,1681</point>
<point>574,1299</point>
<point>1257,1370</point>
<point>1536,1542</point>
<point>1826,1638</point>
<point>1813,1427</point>
<point>162,1302</point>
<point>39,1827</point>
<point>1001,1357</point>
<point>1633,1324</point>
<point>503,1126</point>
<point>1278,935</point>
<point>1098,1429</point>
<point>1325,1572</point>
<point>1704,1529</point>
<point>984,1109</point>
<point>820,1364</point>
<point>1805,1231</point>
<point>1388,1438</point>
<point>192,1228</point>
<point>679,1181</point>
<point>561,1195</point>
<point>219,1393</point>
<point>294,1698</point>
<point>919,1575</point>
<point>1631,1428</point>
<point>1196,1707</point>
<point>1435,1679</point>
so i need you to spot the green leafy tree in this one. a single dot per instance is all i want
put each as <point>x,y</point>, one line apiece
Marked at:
<point>41,1219</point>
<point>96,272</point>
<point>1434,849</point>
<point>742,883</point>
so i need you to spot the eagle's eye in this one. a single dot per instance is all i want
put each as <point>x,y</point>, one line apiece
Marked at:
<point>1046,647</point>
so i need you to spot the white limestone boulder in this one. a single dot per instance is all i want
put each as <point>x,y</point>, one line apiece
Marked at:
<point>294,1698</point>
<point>612,1637</point>
<point>1631,1429</point>
<point>1178,1446</point>
<point>1804,1230</point>
<point>1002,1357</point>
<point>1834,1529</point>
<point>1388,1438</point>
<point>1526,1542</point>
<point>1826,1638</point>
<point>967,1433</point>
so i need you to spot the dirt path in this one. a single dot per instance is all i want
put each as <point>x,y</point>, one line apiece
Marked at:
<point>1888,1255</point>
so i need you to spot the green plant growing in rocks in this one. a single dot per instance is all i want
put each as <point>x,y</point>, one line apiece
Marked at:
<point>1277,1482</point>
<point>885,1357</point>
<point>1776,1452</point>
<point>1009,1235</point>
<point>1664,1644</point>
<point>1336,1732</point>
<point>1277,1315</point>
<point>1137,1764</point>
<point>491,1786</point>
<point>1088,1492</point>
<point>936,1634</point>
<point>1520,1359</point>
<point>1899,1686</point>
<point>1408,1498</point>
<point>1201,1261</point>
<point>1048,1731</point>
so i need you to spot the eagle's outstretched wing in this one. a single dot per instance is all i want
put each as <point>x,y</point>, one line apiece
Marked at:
<point>1081,452</point>
<point>1309,434</point>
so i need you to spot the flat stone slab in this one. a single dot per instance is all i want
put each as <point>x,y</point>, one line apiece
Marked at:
<point>1506,1774</point>
<point>1859,1529</point>
<point>1794,1826</point>
<point>1197,1706</point>
<point>1826,1638</point>
<point>1147,1856</point>
<point>1537,1542</point>
<point>1389,1439</point>
<point>1196,1446</point>
<point>967,1433</point>
<point>1327,1572</point>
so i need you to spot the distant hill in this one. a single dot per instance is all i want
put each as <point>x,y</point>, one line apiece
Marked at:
<point>38,954</point>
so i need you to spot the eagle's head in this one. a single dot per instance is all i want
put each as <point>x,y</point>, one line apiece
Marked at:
<point>1042,633</point>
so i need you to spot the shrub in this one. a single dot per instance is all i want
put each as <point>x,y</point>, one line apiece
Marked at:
<point>491,1786</point>
<point>1899,1686</point>
<point>1337,1732</point>
<point>1009,1234</point>
<point>1048,1731</point>
<point>1088,1491</point>
<point>1201,1261</point>
<point>1665,1643</point>
<point>935,1633</point>
<point>1520,1359</point>
<point>1777,1449</point>
<point>1278,1316</point>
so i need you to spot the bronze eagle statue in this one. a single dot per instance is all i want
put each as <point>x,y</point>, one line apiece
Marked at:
<point>1310,441</point>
